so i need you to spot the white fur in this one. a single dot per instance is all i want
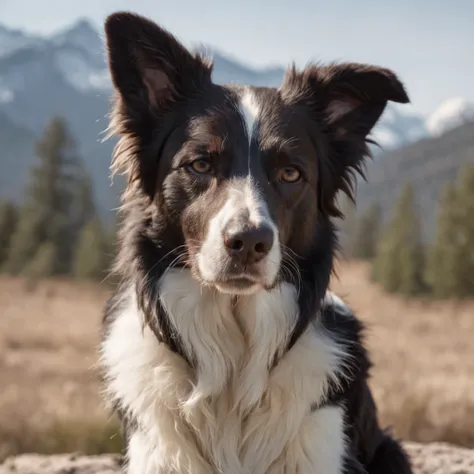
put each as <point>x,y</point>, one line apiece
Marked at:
<point>230,413</point>
<point>212,255</point>
<point>250,111</point>
<point>139,455</point>
<point>331,299</point>
<point>318,447</point>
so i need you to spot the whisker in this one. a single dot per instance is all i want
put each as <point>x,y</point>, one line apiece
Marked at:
<point>287,249</point>
<point>291,266</point>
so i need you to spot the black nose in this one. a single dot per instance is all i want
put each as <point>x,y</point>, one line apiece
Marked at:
<point>249,245</point>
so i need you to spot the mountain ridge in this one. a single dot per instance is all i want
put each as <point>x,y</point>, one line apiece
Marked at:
<point>81,59</point>
<point>66,74</point>
<point>427,165</point>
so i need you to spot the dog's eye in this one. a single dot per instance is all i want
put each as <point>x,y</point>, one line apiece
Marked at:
<point>200,166</point>
<point>289,174</point>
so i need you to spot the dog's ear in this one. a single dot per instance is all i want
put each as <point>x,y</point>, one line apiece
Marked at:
<point>149,67</point>
<point>151,72</point>
<point>346,100</point>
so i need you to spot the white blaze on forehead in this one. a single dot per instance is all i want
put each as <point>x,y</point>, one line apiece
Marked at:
<point>250,111</point>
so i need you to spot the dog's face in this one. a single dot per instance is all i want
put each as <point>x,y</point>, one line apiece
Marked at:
<point>239,176</point>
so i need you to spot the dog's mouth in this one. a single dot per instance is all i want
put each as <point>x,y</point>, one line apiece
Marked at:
<point>215,269</point>
<point>241,284</point>
<point>244,282</point>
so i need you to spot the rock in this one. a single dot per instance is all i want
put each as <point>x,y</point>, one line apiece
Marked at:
<point>440,458</point>
<point>62,464</point>
<point>435,458</point>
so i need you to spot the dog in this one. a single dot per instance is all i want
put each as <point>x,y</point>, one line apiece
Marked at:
<point>223,350</point>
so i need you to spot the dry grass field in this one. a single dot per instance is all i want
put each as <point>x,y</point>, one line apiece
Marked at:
<point>50,393</point>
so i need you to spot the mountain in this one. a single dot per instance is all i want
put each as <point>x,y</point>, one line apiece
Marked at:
<point>398,127</point>
<point>450,114</point>
<point>66,74</point>
<point>12,40</point>
<point>228,70</point>
<point>427,164</point>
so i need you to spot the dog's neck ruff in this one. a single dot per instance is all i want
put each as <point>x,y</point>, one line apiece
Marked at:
<point>232,410</point>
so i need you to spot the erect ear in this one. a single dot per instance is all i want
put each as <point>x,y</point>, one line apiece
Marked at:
<point>148,65</point>
<point>346,100</point>
<point>151,71</point>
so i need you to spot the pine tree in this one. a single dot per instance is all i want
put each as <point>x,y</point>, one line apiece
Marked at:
<point>93,252</point>
<point>412,258</point>
<point>367,234</point>
<point>451,263</point>
<point>8,223</point>
<point>399,263</point>
<point>464,238</point>
<point>46,214</point>
<point>385,268</point>
<point>43,264</point>
<point>347,224</point>
<point>445,255</point>
<point>85,209</point>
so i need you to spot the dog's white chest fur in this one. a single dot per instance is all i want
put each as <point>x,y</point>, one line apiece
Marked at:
<point>235,412</point>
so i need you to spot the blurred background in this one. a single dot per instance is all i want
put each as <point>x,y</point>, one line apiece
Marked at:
<point>407,263</point>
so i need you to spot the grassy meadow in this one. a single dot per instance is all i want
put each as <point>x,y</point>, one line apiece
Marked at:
<point>50,400</point>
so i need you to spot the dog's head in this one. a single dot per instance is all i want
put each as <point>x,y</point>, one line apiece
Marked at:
<point>240,178</point>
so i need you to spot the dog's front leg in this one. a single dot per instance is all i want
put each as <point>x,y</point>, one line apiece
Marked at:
<point>152,454</point>
<point>319,446</point>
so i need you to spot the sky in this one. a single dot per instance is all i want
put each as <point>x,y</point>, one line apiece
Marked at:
<point>428,43</point>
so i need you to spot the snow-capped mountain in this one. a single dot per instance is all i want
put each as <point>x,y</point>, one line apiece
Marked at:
<point>80,57</point>
<point>398,127</point>
<point>12,40</point>
<point>450,114</point>
<point>76,54</point>
<point>66,74</point>
<point>81,34</point>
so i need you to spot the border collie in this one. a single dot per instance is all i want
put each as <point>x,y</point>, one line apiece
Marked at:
<point>223,350</point>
